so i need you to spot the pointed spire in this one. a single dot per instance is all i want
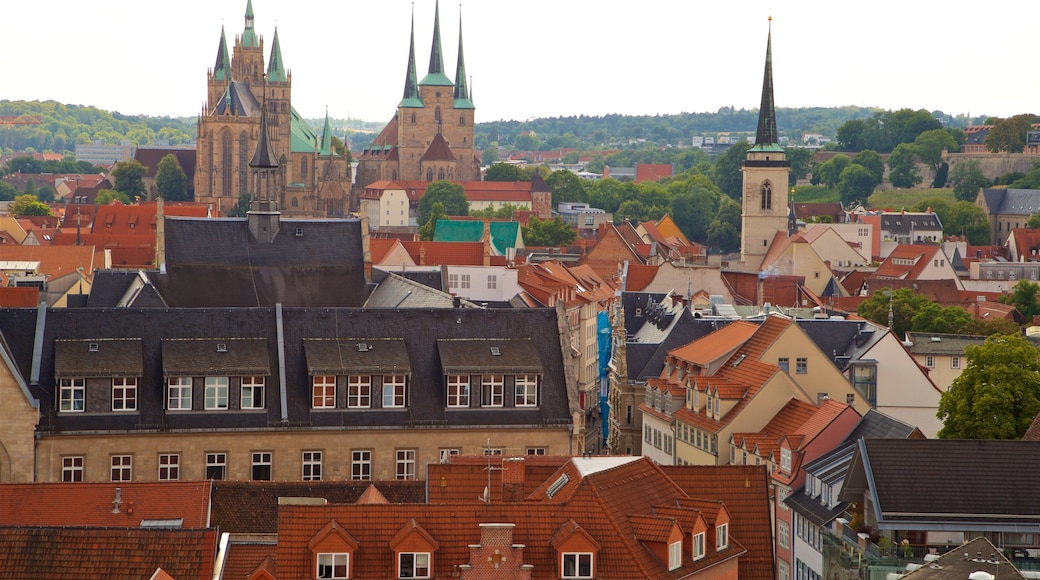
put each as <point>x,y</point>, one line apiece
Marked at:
<point>222,69</point>
<point>326,136</point>
<point>264,156</point>
<point>249,38</point>
<point>275,68</point>
<point>463,99</point>
<point>411,85</point>
<point>766,134</point>
<point>436,76</point>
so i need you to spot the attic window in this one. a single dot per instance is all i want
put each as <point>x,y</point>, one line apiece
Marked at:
<point>363,347</point>
<point>299,232</point>
<point>557,485</point>
<point>221,347</point>
<point>495,351</point>
<point>92,347</point>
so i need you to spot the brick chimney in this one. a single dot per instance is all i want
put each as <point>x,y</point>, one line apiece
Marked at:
<point>496,556</point>
<point>514,475</point>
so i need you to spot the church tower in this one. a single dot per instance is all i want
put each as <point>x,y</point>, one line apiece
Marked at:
<point>766,170</point>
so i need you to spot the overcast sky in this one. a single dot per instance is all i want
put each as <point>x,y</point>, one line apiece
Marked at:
<point>537,58</point>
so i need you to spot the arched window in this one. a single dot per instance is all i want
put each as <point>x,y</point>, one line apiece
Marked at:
<point>767,196</point>
<point>394,175</point>
<point>429,174</point>
<point>226,162</point>
<point>462,120</point>
<point>295,203</point>
<point>243,162</point>
<point>303,168</point>
<point>437,114</point>
<point>440,173</point>
<point>413,118</point>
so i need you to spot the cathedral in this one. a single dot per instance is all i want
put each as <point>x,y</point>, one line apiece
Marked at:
<point>312,180</point>
<point>431,136</point>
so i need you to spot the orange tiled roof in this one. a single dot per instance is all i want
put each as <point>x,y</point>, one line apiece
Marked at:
<point>90,504</point>
<point>428,253</point>
<point>893,266</point>
<point>54,260</point>
<point>640,276</point>
<point>243,559</point>
<point>717,344</point>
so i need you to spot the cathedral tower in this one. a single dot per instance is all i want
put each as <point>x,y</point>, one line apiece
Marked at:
<point>766,170</point>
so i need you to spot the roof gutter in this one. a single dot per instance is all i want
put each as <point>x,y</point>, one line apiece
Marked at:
<point>282,389</point>
<point>37,357</point>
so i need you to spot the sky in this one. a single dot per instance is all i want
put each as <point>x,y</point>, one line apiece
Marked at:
<point>537,58</point>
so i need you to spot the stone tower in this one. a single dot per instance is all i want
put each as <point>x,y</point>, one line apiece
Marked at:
<point>766,169</point>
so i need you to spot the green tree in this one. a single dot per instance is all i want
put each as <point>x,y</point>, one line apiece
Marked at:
<point>428,228</point>
<point>170,180</point>
<point>829,172</point>
<point>337,146</point>
<point>856,184</point>
<point>30,188</point>
<point>553,233</point>
<point>693,210</point>
<point>872,161</point>
<point>128,178</point>
<point>506,210</point>
<point>902,166</point>
<point>24,205</point>
<point>107,196</point>
<point>934,318</point>
<point>930,145</point>
<point>961,218</point>
<point>1009,135</point>
<point>241,207</point>
<point>45,193</point>
<point>503,172</point>
<point>904,303</point>
<point>1023,297</point>
<point>724,229</point>
<point>565,186</point>
<point>727,174</point>
<point>850,135</point>
<point>7,192</point>
<point>25,165</point>
<point>800,159</point>
<point>489,155</point>
<point>967,179</point>
<point>997,395</point>
<point>450,195</point>
<point>1033,222</point>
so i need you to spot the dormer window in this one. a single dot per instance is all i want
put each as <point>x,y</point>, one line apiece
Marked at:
<point>577,565</point>
<point>333,565</point>
<point>674,555</point>
<point>413,565</point>
<point>721,537</point>
<point>785,459</point>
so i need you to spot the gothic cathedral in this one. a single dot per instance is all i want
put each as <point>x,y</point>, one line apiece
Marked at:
<point>312,180</point>
<point>431,136</point>
<point>765,208</point>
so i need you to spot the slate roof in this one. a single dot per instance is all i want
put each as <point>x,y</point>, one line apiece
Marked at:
<point>402,291</point>
<point>1023,202</point>
<point>90,504</point>
<point>966,561</point>
<point>360,356</point>
<point>941,344</point>
<point>103,553</point>
<point>473,356</point>
<point>877,425</point>
<point>237,101</point>
<point>904,224</point>
<point>98,358</point>
<point>198,357</point>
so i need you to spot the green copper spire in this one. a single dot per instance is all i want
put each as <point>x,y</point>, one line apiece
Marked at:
<point>326,136</point>
<point>249,38</point>
<point>222,70</point>
<point>411,85</point>
<point>436,74</point>
<point>463,100</point>
<point>766,136</point>
<point>275,68</point>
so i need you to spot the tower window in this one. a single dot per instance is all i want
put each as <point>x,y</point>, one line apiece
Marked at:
<point>767,196</point>
<point>413,118</point>
<point>437,114</point>
<point>462,120</point>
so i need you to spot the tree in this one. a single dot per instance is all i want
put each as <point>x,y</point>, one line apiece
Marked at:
<point>872,161</point>
<point>800,159</point>
<point>337,146</point>
<point>128,178</point>
<point>45,193</point>
<point>25,165</point>
<point>1009,135</point>
<point>904,303</point>
<point>997,395</point>
<point>727,174</point>
<point>934,318</point>
<point>489,156</point>
<point>1023,297</point>
<point>930,145</point>
<point>856,184</point>
<point>724,229</point>
<point>24,205</point>
<point>941,175</point>
<point>565,186</point>
<point>961,218</point>
<point>107,196</point>
<point>850,135</point>
<point>241,208</point>
<point>552,233</point>
<point>503,172</point>
<point>693,211</point>
<point>450,195</point>
<point>829,172</point>
<point>967,179</point>
<point>170,180</point>
<point>1033,222</point>
<point>428,228</point>
<point>507,210</point>
<point>7,191</point>
<point>902,166</point>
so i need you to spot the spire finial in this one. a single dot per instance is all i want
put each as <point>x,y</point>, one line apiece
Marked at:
<point>436,75</point>
<point>463,98</point>
<point>411,84</point>
<point>766,133</point>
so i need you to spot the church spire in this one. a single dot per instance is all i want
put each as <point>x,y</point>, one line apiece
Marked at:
<point>222,70</point>
<point>249,38</point>
<point>326,136</point>
<point>411,85</point>
<point>767,134</point>
<point>275,67</point>
<point>463,100</point>
<point>264,156</point>
<point>436,75</point>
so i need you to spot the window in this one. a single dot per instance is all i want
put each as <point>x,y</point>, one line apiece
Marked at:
<point>781,494</point>
<point>359,391</point>
<point>577,565</point>
<point>261,466</point>
<point>675,555</point>
<point>216,393</point>
<point>169,467</point>
<point>122,467</point>
<point>783,534</point>
<point>801,365</point>
<point>536,451</point>
<point>864,379</point>
<point>324,392</point>
<point>767,196</point>
<point>929,361</point>
<point>405,464</point>
<point>698,546</point>
<point>492,281</point>
<point>647,431</point>
<point>178,394</point>
<point>458,390</point>
<point>361,464</point>
<point>216,466</point>
<point>785,459</point>
<point>464,281</point>
<point>124,394</point>
<point>784,363</point>
<point>72,394</point>
<point>453,280</point>
<point>721,536</point>
<point>333,565</point>
<point>253,392</point>
<point>72,468</point>
<point>312,465</point>
<point>526,391</point>
<point>413,564</point>
<point>394,393</point>
<point>955,362</point>
<point>491,390</point>
<point>718,405</point>
<point>785,570</point>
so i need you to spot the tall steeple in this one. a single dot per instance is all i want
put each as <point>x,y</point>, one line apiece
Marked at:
<point>463,99</point>
<point>249,38</point>
<point>411,85</point>
<point>436,75</point>
<point>222,69</point>
<point>275,67</point>
<point>263,216</point>
<point>326,136</point>
<point>766,134</point>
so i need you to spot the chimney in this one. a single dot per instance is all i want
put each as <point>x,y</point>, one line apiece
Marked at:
<point>117,500</point>
<point>514,474</point>
<point>366,250</point>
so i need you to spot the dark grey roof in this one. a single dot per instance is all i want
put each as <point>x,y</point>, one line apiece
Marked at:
<point>976,137</point>
<point>112,357</point>
<point>238,101</point>
<point>474,356</point>
<point>1024,202</point>
<point>904,224</point>
<point>226,356</point>
<point>395,291</point>
<point>112,288</point>
<point>686,330</point>
<point>993,198</point>
<point>965,561</point>
<point>937,343</point>
<point>877,425</point>
<point>326,356</point>
<point>838,338</point>
<point>811,509</point>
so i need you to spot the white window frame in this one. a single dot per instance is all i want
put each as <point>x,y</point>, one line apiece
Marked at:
<point>72,468</point>
<point>321,385</point>
<point>576,559</point>
<point>215,461</point>
<point>332,565</point>
<point>178,393</point>
<point>122,468</point>
<point>311,466</point>
<point>955,362</point>
<point>492,281</point>
<point>526,391</point>
<point>492,390</point>
<point>801,365</point>
<point>458,391</point>
<point>674,555</point>
<point>395,391</point>
<point>124,394</point>
<point>721,537</point>
<point>261,459</point>
<point>255,386</point>
<point>929,361</point>
<point>453,280</point>
<point>71,392</point>
<point>783,534</point>
<point>464,281</point>
<point>361,464</point>
<point>359,391</point>
<point>169,467</point>
<point>216,395</point>
<point>420,565</point>
<point>405,464</point>
<point>698,546</point>
<point>785,459</point>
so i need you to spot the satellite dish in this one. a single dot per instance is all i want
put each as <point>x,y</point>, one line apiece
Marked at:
<point>486,498</point>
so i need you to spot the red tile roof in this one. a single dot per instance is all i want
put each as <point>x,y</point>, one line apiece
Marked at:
<point>428,253</point>
<point>653,171</point>
<point>896,266</point>
<point>719,343</point>
<point>639,277</point>
<point>90,504</point>
<point>55,260</point>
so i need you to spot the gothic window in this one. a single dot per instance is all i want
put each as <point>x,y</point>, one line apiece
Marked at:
<point>462,120</point>
<point>440,173</point>
<point>767,196</point>
<point>295,202</point>
<point>303,168</point>
<point>429,174</point>
<point>394,175</point>
<point>243,163</point>
<point>437,114</point>
<point>226,157</point>
<point>413,118</point>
